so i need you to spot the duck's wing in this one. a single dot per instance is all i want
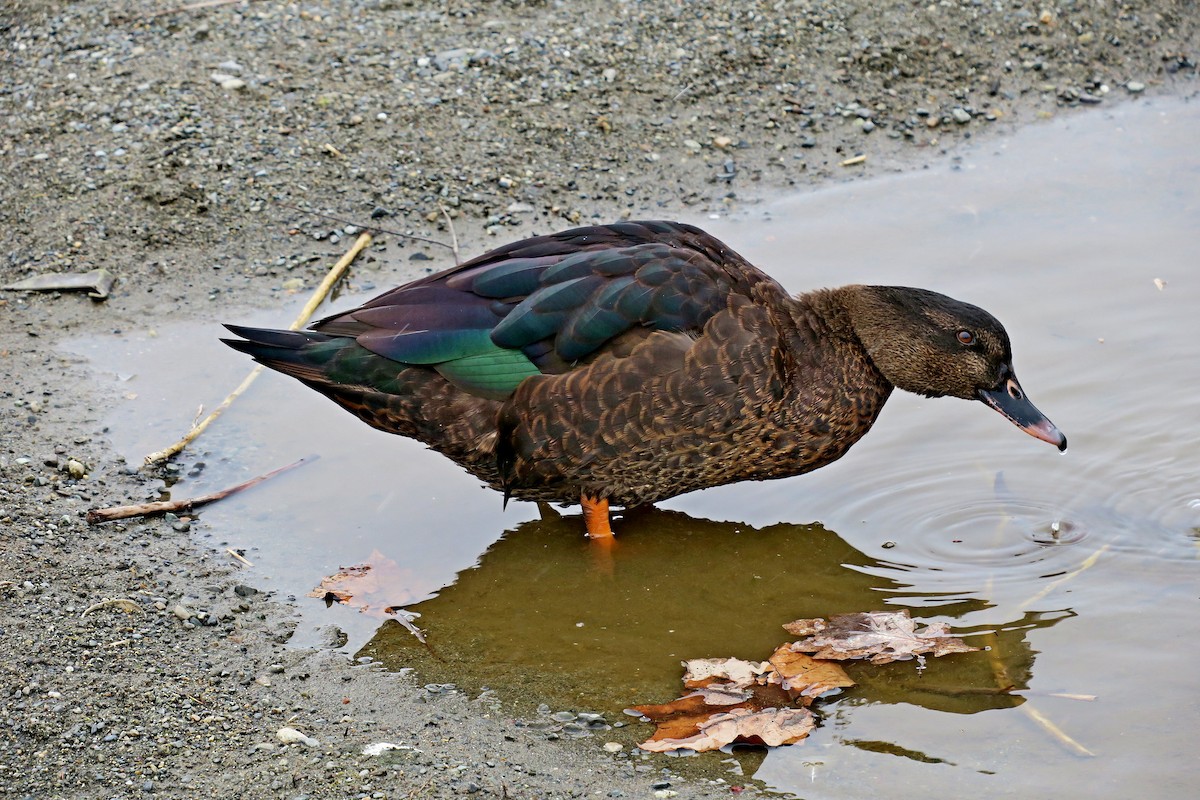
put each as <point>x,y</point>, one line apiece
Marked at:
<point>548,304</point>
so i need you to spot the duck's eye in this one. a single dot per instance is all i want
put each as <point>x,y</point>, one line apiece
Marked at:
<point>966,337</point>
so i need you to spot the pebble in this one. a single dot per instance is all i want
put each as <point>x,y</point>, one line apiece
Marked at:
<point>613,747</point>
<point>182,611</point>
<point>961,115</point>
<point>293,736</point>
<point>1135,87</point>
<point>226,81</point>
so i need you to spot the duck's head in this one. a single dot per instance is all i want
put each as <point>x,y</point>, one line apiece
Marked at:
<point>936,346</point>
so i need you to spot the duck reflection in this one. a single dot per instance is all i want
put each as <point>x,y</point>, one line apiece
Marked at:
<point>546,617</point>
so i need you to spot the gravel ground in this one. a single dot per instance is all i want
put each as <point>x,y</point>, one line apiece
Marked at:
<point>191,153</point>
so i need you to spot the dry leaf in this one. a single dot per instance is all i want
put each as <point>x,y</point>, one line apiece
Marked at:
<point>765,702</point>
<point>770,726</point>
<point>738,701</point>
<point>806,677</point>
<point>805,627</point>
<point>707,719</point>
<point>881,636</point>
<point>699,671</point>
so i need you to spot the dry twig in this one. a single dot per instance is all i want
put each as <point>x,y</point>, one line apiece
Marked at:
<point>194,7</point>
<point>123,603</point>
<point>239,556</point>
<point>97,515</point>
<point>306,313</point>
<point>453,235</point>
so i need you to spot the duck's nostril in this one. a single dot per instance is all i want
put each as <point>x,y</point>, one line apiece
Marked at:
<point>1014,391</point>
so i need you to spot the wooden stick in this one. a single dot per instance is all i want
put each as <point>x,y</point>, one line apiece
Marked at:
<point>194,7</point>
<point>306,313</point>
<point>453,235</point>
<point>97,515</point>
<point>239,556</point>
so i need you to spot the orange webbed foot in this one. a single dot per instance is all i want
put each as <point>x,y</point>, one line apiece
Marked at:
<point>595,517</point>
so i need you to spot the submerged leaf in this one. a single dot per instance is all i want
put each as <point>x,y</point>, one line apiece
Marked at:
<point>881,636</point>
<point>378,587</point>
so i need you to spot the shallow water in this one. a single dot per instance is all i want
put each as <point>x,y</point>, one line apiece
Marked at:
<point>1086,561</point>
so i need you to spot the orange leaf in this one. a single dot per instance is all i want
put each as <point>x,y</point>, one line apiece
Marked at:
<point>770,726</point>
<point>806,677</point>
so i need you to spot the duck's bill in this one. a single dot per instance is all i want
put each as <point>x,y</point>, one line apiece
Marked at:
<point>1010,400</point>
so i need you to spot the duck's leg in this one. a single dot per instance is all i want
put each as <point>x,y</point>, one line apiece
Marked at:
<point>595,516</point>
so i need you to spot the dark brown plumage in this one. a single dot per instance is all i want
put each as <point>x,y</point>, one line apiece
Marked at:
<point>634,362</point>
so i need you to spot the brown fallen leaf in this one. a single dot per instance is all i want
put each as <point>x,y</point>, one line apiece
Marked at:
<point>881,636</point>
<point>700,671</point>
<point>736,701</point>
<point>721,713</point>
<point>770,726</point>
<point>806,677</point>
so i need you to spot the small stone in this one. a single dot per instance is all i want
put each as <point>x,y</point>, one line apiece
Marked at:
<point>227,82</point>
<point>293,736</point>
<point>722,142</point>
<point>613,747</point>
<point>182,611</point>
<point>961,115</point>
<point>242,590</point>
<point>692,144</point>
<point>1135,87</point>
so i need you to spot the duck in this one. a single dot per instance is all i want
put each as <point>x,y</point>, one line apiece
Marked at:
<point>620,365</point>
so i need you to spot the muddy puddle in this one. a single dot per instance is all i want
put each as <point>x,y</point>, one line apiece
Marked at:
<point>1085,562</point>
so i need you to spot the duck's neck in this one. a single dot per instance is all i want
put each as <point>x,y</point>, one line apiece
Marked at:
<point>837,391</point>
<point>872,318</point>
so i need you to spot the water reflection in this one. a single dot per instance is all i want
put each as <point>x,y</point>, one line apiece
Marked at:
<point>548,617</point>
